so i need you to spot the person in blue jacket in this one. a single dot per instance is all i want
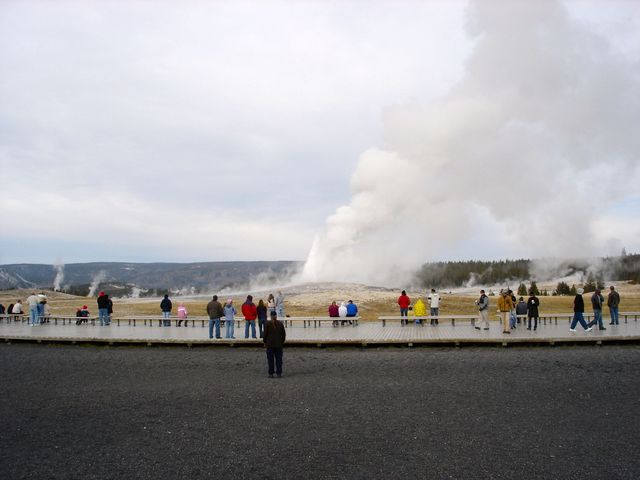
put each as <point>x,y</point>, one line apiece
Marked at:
<point>352,310</point>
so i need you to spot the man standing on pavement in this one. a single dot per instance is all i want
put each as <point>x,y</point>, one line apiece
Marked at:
<point>274,337</point>
<point>596,302</point>
<point>613,301</point>
<point>215,312</point>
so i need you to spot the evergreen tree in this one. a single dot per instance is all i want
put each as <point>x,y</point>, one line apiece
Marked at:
<point>522,289</point>
<point>533,290</point>
<point>563,289</point>
<point>573,290</point>
<point>590,285</point>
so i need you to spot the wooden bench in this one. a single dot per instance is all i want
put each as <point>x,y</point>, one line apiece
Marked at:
<point>11,317</point>
<point>423,319</point>
<point>317,321</point>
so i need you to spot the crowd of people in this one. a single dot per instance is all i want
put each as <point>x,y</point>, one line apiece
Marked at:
<point>38,309</point>
<point>251,313</point>
<point>513,310</point>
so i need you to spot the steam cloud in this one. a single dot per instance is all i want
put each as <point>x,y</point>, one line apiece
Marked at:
<point>95,282</point>
<point>57,281</point>
<point>537,135</point>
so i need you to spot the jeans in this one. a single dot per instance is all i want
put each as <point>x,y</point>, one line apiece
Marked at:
<point>597,319</point>
<point>261,324</point>
<point>33,315</point>
<point>434,313</point>
<point>613,311</point>
<point>578,317</point>
<point>513,319</point>
<point>166,322</point>
<point>212,322</point>
<point>41,312</point>
<point>274,354</point>
<point>103,315</point>
<point>280,312</point>
<point>248,323</point>
<point>231,326</point>
<point>403,313</point>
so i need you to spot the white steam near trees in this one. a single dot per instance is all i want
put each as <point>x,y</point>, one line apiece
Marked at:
<point>537,136</point>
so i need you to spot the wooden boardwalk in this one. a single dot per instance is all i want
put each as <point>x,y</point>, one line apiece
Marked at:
<point>364,334</point>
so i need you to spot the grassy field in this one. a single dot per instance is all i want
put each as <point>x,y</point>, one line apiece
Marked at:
<point>304,305</point>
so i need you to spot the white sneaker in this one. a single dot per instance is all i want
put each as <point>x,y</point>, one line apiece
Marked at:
<point>589,329</point>
<point>572,330</point>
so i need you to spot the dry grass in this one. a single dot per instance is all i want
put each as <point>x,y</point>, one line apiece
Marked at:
<point>371,302</point>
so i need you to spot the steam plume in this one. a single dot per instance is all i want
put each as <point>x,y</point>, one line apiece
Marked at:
<point>59,268</point>
<point>538,133</point>
<point>95,282</point>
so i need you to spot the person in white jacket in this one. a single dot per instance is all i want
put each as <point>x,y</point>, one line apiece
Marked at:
<point>434,302</point>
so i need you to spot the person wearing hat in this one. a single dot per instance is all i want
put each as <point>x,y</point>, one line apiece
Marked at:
<point>578,312</point>
<point>103,308</point>
<point>84,314</point>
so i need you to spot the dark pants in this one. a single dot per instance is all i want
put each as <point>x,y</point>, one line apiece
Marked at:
<point>535,324</point>
<point>274,354</point>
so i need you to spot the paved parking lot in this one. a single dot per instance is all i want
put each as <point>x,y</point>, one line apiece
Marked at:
<point>174,412</point>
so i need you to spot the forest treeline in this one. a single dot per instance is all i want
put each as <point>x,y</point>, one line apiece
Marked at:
<point>591,272</point>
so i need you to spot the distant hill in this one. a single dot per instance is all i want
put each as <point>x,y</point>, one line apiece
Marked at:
<point>144,279</point>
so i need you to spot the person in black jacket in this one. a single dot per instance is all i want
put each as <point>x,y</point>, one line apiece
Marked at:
<point>532,311</point>
<point>578,313</point>
<point>274,338</point>
<point>596,302</point>
<point>166,306</point>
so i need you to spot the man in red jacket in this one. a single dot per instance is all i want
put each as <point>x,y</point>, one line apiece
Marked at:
<point>250,313</point>
<point>404,301</point>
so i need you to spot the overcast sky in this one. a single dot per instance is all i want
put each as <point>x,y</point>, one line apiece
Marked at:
<point>206,131</point>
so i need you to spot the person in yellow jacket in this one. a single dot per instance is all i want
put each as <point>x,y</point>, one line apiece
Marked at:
<point>419,310</point>
<point>505,304</point>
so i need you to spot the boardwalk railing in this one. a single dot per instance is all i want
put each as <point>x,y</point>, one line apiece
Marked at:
<point>150,320</point>
<point>473,318</point>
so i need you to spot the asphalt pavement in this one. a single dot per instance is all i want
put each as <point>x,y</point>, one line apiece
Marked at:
<point>102,412</point>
